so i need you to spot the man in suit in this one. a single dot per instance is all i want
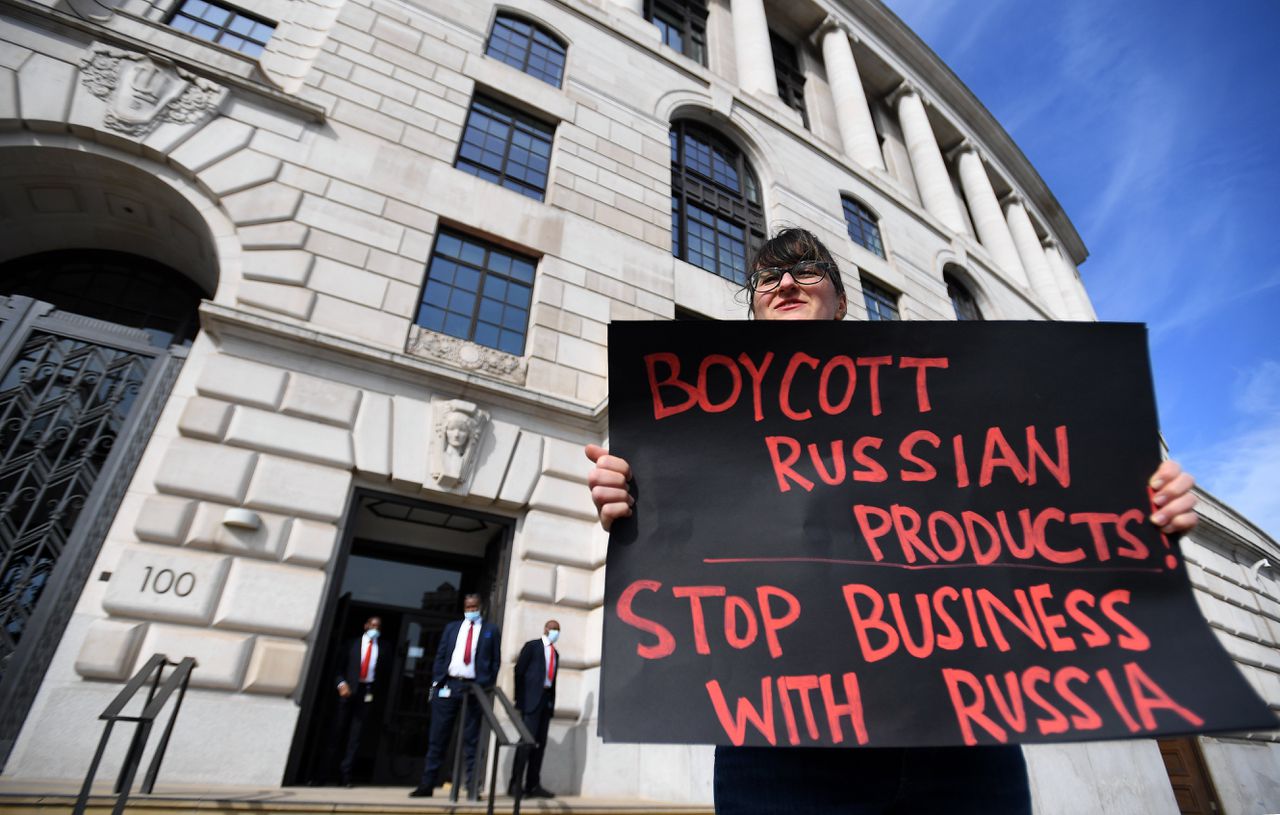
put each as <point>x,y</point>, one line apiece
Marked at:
<point>468,653</point>
<point>357,668</point>
<point>537,669</point>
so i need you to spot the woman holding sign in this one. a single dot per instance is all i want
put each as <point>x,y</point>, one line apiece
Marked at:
<point>795,278</point>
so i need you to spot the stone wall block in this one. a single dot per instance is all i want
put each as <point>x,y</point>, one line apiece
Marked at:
<point>162,583</point>
<point>411,423</point>
<point>204,418</point>
<point>220,138</point>
<point>492,460</point>
<point>239,172</point>
<point>275,666</point>
<point>594,637</point>
<point>220,657</point>
<point>263,204</point>
<point>298,488</point>
<point>289,436</point>
<point>286,266</point>
<point>368,324</point>
<point>595,595</point>
<point>553,538</point>
<point>280,235</point>
<point>110,648</point>
<point>564,497</point>
<point>199,469</point>
<point>522,474</point>
<point>310,397</point>
<point>270,598</point>
<point>243,382</point>
<point>371,437</point>
<point>536,581</point>
<point>573,587</point>
<point>209,532</point>
<point>310,543</point>
<point>565,459</point>
<point>289,299</point>
<point>45,88</point>
<point>164,519</point>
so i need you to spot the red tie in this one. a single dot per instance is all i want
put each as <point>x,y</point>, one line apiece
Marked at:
<point>364,663</point>
<point>466,649</point>
<point>551,667</point>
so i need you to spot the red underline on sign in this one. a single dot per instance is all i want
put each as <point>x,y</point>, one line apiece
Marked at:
<point>721,561</point>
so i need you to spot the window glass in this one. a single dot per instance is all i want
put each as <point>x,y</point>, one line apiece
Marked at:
<point>528,47</point>
<point>477,291</point>
<point>863,227</point>
<point>223,25</point>
<point>882,304</point>
<point>501,145</point>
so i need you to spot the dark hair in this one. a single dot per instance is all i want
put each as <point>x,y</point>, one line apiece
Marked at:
<point>785,249</point>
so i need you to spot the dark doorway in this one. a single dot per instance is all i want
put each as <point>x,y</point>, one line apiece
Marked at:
<point>1192,786</point>
<point>409,563</point>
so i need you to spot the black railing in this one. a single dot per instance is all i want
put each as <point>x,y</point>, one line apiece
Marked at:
<point>524,739</point>
<point>157,695</point>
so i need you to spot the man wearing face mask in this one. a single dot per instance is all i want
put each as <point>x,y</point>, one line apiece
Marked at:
<point>536,673</point>
<point>468,653</point>
<point>357,670</point>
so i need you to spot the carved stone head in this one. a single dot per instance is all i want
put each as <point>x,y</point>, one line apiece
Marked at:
<point>459,426</point>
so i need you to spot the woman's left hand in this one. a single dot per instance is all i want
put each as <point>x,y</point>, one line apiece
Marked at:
<point>1172,499</point>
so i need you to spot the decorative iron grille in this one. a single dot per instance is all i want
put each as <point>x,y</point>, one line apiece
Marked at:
<point>72,391</point>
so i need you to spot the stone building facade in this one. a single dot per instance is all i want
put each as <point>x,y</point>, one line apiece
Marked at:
<point>364,223</point>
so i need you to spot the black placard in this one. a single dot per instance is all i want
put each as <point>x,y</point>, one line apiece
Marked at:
<point>897,534</point>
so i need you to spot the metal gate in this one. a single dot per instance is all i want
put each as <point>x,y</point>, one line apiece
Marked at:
<point>78,400</point>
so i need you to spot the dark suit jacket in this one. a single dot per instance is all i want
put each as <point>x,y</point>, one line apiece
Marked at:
<point>350,658</point>
<point>484,652</point>
<point>531,672</point>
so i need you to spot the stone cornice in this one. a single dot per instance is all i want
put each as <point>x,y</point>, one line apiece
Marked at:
<point>46,17</point>
<point>904,48</point>
<point>225,323</point>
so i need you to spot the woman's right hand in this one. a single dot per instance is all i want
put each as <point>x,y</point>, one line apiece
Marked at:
<point>608,481</point>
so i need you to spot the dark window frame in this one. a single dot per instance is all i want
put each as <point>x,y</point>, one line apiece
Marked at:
<point>685,19</point>
<point>538,43</point>
<point>790,76</point>
<point>486,271</point>
<point>223,31</point>
<point>710,192</point>
<point>862,224</point>
<point>518,121</point>
<point>879,299</point>
<point>962,299</point>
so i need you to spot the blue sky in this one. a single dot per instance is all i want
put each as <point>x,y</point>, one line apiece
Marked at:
<point>1155,124</point>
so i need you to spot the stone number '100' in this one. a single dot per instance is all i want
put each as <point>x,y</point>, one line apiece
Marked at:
<point>166,580</point>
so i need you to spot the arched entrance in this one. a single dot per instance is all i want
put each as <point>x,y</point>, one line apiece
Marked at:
<point>102,270</point>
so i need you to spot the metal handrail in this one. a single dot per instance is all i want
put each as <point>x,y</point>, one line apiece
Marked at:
<point>525,739</point>
<point>157,695</point>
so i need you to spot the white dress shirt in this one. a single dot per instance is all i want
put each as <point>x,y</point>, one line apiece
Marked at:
<point>457,669</point>
<point>547,651</point>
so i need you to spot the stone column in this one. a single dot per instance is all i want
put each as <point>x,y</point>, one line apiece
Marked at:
<point>1032,255</point>
<point>853,115</point>
<point>988,220</point>
<point>634,6</point>
<point>926,159</point>
<point>751,44</point>
<point>1077,300</point>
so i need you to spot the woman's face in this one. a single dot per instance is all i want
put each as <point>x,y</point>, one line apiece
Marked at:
<point>456,434</point>
<point>791,301</point>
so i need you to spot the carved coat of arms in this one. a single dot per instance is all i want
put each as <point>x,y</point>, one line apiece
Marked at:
<point>144,91</point>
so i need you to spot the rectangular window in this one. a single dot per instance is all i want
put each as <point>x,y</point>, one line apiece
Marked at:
<point>716,244</point>
<point>477,291</point>
<point>882,304</point>
<point>786,66</point>
<point>527,47</point>
<point>502,145</point>
<point>863,227</point>
<point>223,25</point>
<point>682,25</point>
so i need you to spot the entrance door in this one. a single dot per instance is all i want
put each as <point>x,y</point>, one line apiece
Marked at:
<point>410,564</point>
<point>78,399</point>
<point>1189,777</point>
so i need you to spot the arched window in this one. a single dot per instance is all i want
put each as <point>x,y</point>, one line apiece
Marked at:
<point>113,286</point>
<point>961,299</point>
<point>863,226</point>
<point>528,47</point>
<point>716,215</point>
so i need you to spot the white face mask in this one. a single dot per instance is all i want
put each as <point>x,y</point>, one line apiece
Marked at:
<point>553,635</point>
<point>373,633</point>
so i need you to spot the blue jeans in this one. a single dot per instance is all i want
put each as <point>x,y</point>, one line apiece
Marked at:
<point>871,781</point>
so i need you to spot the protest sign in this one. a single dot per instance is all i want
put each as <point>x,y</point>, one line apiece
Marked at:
<point>894,534</point>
